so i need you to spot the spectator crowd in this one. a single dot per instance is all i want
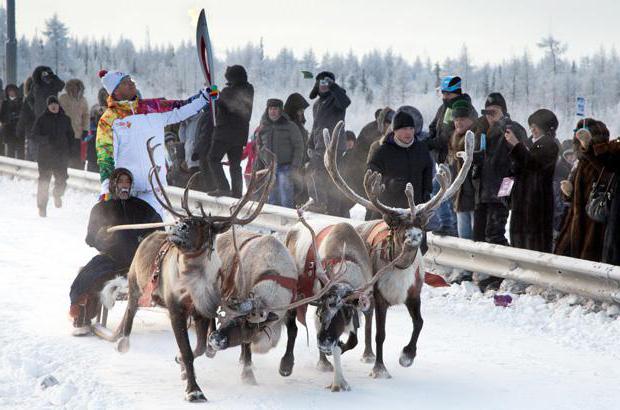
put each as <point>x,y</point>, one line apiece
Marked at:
<point>525,189</point>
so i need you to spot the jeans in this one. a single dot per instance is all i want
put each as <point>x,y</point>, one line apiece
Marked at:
<point>283,191</point>
<point>465,224</point>
<point>445,213</point>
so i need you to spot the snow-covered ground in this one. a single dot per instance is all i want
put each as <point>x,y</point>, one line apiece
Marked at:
<point>471,354</point>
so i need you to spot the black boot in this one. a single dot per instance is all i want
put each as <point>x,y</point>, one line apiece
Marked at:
<point>490,283</point>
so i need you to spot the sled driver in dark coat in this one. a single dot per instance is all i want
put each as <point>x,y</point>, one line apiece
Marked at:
<point>116,249</point>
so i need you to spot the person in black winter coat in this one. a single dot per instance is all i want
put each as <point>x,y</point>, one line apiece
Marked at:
<point>232,128</point>
<point>9,116</point>
<point>609,155</point>
<point>491,165</point>
<point>53,133</point>
<point>44,84</point>
<point>204,140</point>
<point>328,110</point>
<point>116,249</point>
<point>401,159</point>
<point>531,223</point>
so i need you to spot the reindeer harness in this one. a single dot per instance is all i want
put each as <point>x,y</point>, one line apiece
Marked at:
<point>229,284</point>
<point>150,297</point>
<point>381,239</point>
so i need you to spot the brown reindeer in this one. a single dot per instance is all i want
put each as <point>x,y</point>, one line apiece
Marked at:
<point>179,269</point>
<point>338,308</point>
<point>399,233</point>
<point>258,287</point>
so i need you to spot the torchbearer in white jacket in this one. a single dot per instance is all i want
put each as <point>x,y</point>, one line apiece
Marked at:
<point>129,122</point>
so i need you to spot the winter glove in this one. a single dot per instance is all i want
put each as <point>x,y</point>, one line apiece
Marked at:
<point>210,93</point>
<point>567,188</point>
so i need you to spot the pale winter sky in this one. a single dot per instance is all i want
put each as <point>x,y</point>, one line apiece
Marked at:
<point>492,29</point>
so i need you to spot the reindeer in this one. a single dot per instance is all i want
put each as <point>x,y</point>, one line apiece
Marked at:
<point>180,268</point>
<point>400,232</point>
<point>257,289</point>
<point>338,303</point>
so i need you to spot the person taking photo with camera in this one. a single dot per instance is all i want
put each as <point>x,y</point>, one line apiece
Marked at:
<point>492,166</point>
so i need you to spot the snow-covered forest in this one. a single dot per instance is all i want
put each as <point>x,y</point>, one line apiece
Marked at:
<point>373,80</point>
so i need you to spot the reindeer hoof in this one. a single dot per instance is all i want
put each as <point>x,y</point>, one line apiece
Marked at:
<point>122,346</point>
<point>406,358</point>
<point>286,367</point>
<point>195,396</point>
<point>324,366</point>
<point>247,377</point>
<point>368,357</point>
<point>340,386</point>
<point>380,372</point>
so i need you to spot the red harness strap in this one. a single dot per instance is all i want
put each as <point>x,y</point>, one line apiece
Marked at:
<point>148,299</point>
<point>308,276</point>
<point>284,281</point>
<point>305,283</point>
<point>378,239</point>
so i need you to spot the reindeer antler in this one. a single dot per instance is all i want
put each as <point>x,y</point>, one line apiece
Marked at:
<point>366,288</point>
<point>165,203</point>
<point>468,158</point>
<point>253,188</point>
<point>443,176</point>
<point>319,265</point>
<point>185,200</point>
<point>332,167</point>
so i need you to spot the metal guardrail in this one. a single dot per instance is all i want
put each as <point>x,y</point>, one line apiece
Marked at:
<point>595,280</point>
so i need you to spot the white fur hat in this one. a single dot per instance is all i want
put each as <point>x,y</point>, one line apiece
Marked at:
<point>111,79</point>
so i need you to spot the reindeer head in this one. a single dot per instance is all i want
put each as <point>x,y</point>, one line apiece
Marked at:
<point>336,311</point>
<point>238,328</point>
<point>407,225</point>
<point>196,233</point>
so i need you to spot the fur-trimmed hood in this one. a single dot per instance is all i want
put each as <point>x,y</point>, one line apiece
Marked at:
<point>236,75</point>
<point>75,88</point>
<point>36,74</point>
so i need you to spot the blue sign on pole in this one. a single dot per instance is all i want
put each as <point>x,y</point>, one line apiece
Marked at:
<point>581,107</point>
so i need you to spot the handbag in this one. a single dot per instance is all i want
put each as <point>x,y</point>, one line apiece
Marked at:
<point>597,207</point>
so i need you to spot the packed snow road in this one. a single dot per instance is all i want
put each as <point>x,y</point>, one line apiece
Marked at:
<point>471,354</point>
